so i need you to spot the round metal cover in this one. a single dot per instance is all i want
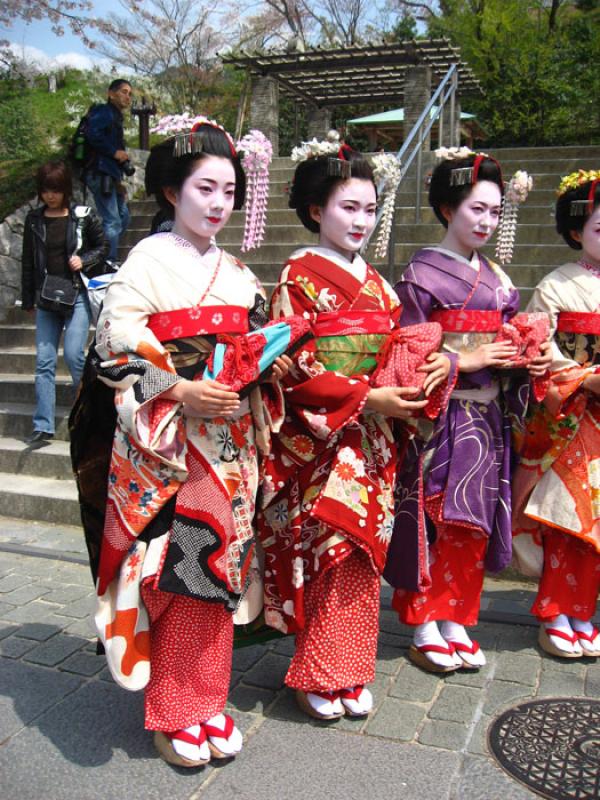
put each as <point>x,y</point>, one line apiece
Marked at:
<point>551,746</point>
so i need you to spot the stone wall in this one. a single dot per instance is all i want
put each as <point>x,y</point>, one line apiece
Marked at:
<point>11,234</point>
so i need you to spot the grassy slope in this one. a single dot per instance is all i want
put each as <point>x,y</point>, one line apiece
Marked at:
<point>37,125</point>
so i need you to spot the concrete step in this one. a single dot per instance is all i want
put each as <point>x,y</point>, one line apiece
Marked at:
<point>21,360</point>
<point>38,498</point>
<point>16,420</point>
<point>16,335</point>
<point>51,461</point>
<point>21,389</point>
<point>43,538</point>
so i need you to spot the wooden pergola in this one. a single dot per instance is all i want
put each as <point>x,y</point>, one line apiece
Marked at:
<point>385,74</point>
<point>373,73</point>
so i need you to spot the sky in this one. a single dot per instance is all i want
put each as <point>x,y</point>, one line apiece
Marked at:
<point>37,42</point>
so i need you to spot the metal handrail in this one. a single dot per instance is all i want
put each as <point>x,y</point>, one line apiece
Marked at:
<point>434,110</point>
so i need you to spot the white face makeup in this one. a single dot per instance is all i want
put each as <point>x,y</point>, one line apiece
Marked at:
<point>348,217</point>
<point>205,202</point>
<point>589,238</point>
<point>471,225</point>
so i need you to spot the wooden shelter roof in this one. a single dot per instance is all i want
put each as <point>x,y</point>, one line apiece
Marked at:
<point>372,73</point>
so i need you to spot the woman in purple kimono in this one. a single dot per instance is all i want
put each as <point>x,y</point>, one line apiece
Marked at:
<point>453,509</point>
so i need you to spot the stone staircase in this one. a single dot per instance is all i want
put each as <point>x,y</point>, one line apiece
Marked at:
<point>37,485</point>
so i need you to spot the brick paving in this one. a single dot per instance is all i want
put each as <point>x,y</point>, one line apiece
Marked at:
<point>67,731</point>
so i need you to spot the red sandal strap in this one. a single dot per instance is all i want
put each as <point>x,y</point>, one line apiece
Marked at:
<point>589,637</point>
<point>562,635</point>
<point>437,648</point>
<point>461,647</point>
<point>328,694</point>
<point>185,736</point>
<point>351,694</point>
<point>221,733</point>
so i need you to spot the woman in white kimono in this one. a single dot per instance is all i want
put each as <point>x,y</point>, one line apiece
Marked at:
<point>177,556</point>
<point>556,489</point>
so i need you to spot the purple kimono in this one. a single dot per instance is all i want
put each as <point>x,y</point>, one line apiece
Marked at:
<point>465,454</point>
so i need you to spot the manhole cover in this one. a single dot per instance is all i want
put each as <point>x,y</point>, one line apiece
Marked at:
<point>552,746</point>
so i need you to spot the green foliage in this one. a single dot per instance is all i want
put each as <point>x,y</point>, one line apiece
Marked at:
<point>540,77</point>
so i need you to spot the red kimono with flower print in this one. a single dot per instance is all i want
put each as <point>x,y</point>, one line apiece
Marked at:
<point>327,484</point>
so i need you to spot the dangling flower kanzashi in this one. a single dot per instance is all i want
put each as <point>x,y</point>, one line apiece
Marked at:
<point>386,168</point>
<point>257,155</point>
<point>516,193</point>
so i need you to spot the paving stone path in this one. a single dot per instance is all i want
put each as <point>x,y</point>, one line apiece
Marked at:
<point>67,731</point>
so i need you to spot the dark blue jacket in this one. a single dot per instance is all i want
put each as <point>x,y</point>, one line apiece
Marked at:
<point>105,135</point>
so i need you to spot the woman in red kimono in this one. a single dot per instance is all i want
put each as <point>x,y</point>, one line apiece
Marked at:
<point>557,509</point>
<point>327,504</point>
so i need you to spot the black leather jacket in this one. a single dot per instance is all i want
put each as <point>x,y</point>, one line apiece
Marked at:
<point>33,263</point>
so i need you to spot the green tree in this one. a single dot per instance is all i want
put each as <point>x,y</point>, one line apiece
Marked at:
<point>537,64</point>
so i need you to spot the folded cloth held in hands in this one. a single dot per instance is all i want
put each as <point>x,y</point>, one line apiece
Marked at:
<point>527,331</point>
<point>404,352</point>
<point>240,361</point>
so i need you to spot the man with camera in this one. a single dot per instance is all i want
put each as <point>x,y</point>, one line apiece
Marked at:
<point>111,162</point>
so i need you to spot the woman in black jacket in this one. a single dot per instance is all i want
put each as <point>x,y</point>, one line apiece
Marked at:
<point>60,240</point>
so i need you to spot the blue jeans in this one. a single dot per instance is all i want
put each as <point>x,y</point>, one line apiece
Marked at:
<point>113,211</point>
<point>48,328</point>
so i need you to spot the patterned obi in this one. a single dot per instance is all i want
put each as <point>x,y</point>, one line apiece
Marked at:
<point>189,334</point>
<point>466,321</point>
<point>349,341</point>
<point>578,337</point>
<point>465,330</point>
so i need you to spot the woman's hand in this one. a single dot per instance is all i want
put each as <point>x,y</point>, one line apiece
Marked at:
<point>281,367</point>
<point>592,383</point>
<point>494,354</point>
<point>75,263</point>
<point>438,367</point>
<point>389,400</point>
<point>540,364</point>
<point>207,398</point>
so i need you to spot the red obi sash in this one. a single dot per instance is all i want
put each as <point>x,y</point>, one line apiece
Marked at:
<point>198,321</point>
<point>346,323</point>
<point>464,321</point>
<point>578,322</point>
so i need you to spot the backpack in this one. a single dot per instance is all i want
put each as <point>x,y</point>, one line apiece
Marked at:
<point>81,154</point>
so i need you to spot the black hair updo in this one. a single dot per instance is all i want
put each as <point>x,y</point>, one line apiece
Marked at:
<point>569,218</point>
<point>442,193</point>
<point>164,169</point>
<point>313,185</point>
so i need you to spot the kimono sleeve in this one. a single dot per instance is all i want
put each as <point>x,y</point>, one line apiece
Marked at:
<point>325,401</point>
<point>138,367</point>
<point>567,376</point>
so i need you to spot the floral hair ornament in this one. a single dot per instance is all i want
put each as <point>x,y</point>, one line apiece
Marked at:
<point>462,176</point>
<point>338,165</point>
<point>516,193</point>
<point>184,129</point>
<point>387,171</point>
<point>580,208</point>
<point>257,153</point>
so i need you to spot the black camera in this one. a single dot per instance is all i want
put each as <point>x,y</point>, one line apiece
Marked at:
<point>128,168</point>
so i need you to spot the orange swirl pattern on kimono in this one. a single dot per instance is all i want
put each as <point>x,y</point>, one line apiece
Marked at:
<point>327,484</point>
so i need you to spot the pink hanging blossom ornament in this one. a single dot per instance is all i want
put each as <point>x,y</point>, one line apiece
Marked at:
<point>257,153</point>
